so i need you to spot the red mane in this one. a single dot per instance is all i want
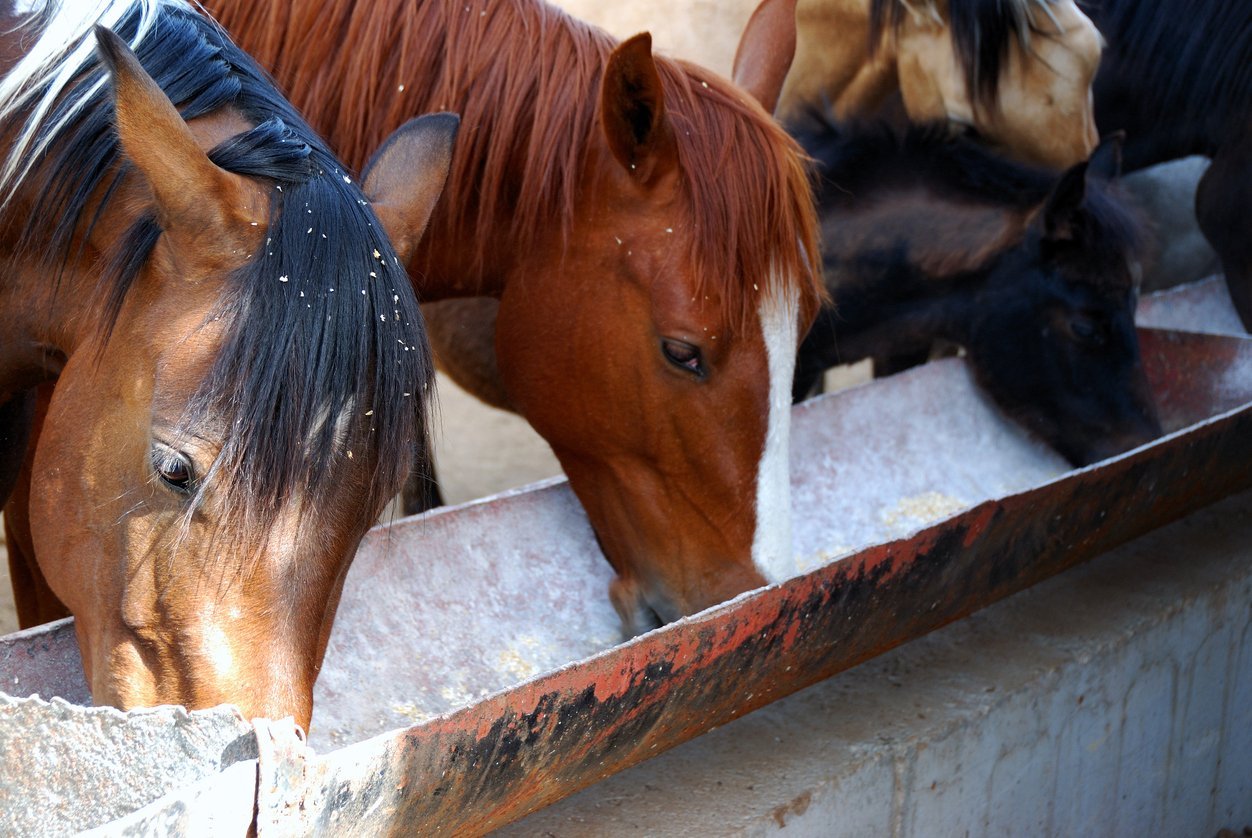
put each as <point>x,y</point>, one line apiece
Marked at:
<point>525,80</point>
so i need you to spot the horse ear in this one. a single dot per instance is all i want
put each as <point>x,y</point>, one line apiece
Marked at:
<point>193,195</point>
<point>406,176</point>
<point>632,111</point>
<point>1061,209</point>
<point>1105,162</point>
<point>1065,203</point>
<point>766,50</point>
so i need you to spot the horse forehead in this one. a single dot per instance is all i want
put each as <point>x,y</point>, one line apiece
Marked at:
<point>218,126</point>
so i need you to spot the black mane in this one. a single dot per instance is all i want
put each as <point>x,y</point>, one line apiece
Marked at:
<point>322,321</point>
<point>982,31</point>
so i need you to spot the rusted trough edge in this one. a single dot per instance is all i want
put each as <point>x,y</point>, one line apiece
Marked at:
<point>529,746</point>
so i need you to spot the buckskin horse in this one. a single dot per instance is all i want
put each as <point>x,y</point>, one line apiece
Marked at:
<point>238,360</point>
<point>1177,79</point>
<point>649,233</point>
<point>927,237</point>
<point>1017,72</point>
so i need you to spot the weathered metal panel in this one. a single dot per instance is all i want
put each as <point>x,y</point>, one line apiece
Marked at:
<point>516,751</point>
<point>44,661</point>
<point>215,807</point>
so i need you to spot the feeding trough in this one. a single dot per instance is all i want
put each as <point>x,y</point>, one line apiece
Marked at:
<point>475,673</point>
<point>1202,306</point>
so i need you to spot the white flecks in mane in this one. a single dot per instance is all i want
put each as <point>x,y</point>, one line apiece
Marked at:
<point>64,47</point>
<point>772,555</point>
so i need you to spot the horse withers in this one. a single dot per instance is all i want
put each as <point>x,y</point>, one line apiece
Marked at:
<point>237,362</point>
<point>649,234</point>
<point>927,238</point>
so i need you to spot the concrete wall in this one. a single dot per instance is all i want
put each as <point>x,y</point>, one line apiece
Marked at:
<point>1113,700</point>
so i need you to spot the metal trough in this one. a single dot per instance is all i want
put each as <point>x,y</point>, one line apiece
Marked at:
<point>483,607</point>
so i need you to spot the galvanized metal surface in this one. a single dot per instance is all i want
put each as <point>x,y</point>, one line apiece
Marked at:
<point>44,661</point>
<point>441,609</point>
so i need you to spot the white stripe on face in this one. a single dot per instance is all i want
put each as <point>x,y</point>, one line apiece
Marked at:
<point>771,546</point>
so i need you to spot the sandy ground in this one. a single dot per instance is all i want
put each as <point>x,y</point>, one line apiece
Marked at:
<point>480,450</point>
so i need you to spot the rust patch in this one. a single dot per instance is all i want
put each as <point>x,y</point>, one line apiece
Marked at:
<point>797,807</point>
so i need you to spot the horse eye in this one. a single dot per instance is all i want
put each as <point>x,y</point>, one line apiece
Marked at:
<point>174,469</point>
<point>684,356</point>
<point>1085,329</point>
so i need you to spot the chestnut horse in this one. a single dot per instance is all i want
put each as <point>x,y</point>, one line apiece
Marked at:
<point>238,360</point>
<point>1018,72</point>
<point>1178,81</point>
<point>929,238</point>
<point>649,232</point>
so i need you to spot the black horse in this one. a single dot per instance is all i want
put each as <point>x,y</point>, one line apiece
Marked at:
<point>927,238</point>
<point>1177,78</point>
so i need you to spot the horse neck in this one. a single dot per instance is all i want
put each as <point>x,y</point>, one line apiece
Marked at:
<point>897,310</point>
<point>1175,89</point>
<point>900,284</point>
<point>360,70</point>
<point>45,317</point>
<point>1121,105</point>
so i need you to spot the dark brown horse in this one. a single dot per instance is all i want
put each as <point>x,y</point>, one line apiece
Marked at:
<point>927,238</point>
<point>648,231</point>
<point>1177,78</point>
<point>237,359</point>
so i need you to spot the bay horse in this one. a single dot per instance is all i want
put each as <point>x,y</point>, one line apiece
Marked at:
<point>649,234</point>
<point>236,365</point>
<point>931,238</point>
<point>1177,78</point>
<point>1017,72</point>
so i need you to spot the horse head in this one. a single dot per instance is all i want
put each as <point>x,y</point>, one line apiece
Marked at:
<point>1055,344</point>
<point>1019,72</point>
<point>234,416</point>
<point>661,373</point>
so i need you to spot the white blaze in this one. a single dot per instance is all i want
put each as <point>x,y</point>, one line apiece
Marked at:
<point>771,546</point>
